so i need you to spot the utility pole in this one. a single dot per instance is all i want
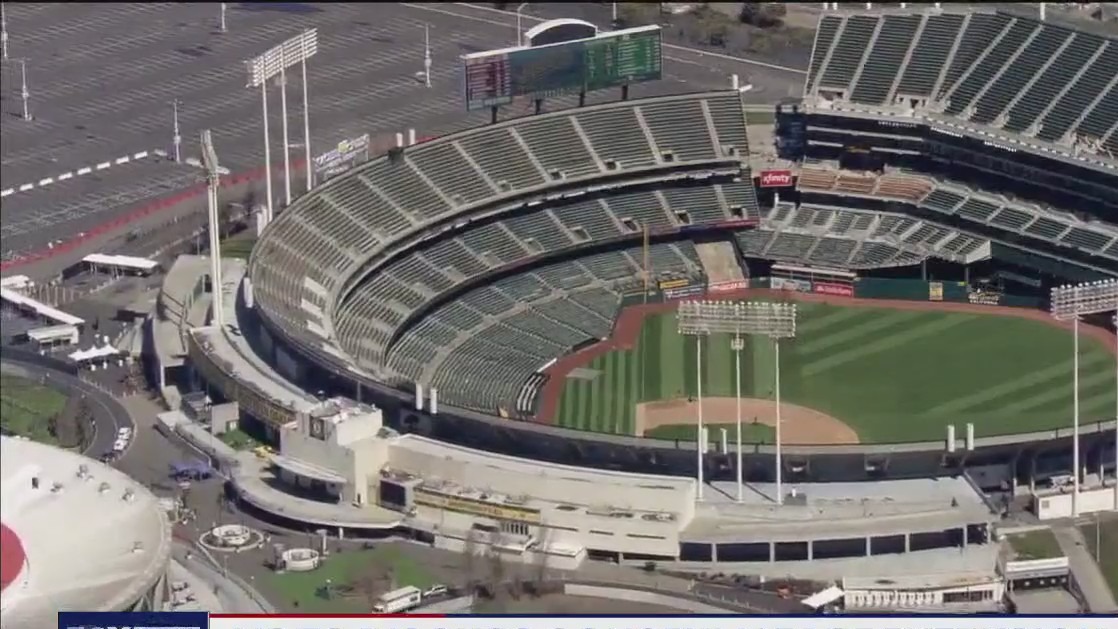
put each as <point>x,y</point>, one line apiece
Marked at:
<point>23,92</point>
<point>4,30</point>
<point>427,54</point>
<point>222,22</point>
<point>176,139</point>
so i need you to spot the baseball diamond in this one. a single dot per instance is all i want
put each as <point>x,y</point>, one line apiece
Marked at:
<point>889,374</point>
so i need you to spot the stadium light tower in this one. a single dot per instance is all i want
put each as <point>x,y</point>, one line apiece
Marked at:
<point>4,30</point>
<point>213,181</point>
<point>272,64</point>
<point>519,29</point>
<point>700,319</point>
<point>1071,302</point>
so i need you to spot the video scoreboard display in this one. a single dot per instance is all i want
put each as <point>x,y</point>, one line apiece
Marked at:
<point>492,79</point>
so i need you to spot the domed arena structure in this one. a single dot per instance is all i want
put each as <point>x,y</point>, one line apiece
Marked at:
<point>116,560</point>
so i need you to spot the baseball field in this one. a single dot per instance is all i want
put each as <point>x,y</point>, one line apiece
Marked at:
<point>853,374</point>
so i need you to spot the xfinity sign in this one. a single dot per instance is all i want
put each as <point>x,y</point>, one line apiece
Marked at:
<point>776,178</point>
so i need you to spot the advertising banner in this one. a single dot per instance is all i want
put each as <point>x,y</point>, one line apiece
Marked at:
<point>342,158</point>
<point>728,287</point>
<point>935,291</point>
<point>677,283</point>
<point>838,290</point>
<point>783,283</point>
<point>685,292</point>
<point>776,178</point>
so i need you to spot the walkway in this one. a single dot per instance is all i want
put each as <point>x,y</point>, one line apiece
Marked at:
<point>1086,571</point>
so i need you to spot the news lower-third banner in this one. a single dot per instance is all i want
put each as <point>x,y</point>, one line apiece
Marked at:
<point>185,620</point>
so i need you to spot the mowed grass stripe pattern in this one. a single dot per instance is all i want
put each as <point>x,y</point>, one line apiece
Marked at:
<point>891,375</point>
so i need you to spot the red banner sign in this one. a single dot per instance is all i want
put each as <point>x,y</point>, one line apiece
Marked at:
<point>727,287</point>
<point>776,178</point>
<point>839,290</point>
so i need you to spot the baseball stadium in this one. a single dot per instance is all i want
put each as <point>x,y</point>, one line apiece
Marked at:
<point>866,271</point>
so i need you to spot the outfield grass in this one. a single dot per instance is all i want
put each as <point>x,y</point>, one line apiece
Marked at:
<point>238,247</point>
<point>1038,544</point>
<point>26,408</point>
<point>342,569</point>
<point>1107,554</point>
<point>892,375</point>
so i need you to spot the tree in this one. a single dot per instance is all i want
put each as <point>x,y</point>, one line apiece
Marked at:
<point>469,561</point>
<point>762,14</point>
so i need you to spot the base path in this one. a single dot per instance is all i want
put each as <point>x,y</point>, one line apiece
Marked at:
<point>801,426</point>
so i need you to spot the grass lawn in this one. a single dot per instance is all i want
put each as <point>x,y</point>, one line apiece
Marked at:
<point>1108,553</point>
<point>238,247</point>
<point>342,570</point>
<point>238,440</point>
<point>892,375</point>
<point>26,408</point>
<point>1039,544</point>
<point>750,432</point>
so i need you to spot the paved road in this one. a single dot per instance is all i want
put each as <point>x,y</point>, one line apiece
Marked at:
<point>109,415</point>
<point>1087,573</point>
<point>102,77</point>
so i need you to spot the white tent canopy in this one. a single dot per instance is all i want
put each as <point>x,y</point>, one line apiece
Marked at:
<point>94,353</point>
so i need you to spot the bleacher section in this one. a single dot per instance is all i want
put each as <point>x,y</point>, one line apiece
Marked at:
<point>507,179</point>
<point>479,350</point>
<point>955,199</point>
<point>1008,72</point>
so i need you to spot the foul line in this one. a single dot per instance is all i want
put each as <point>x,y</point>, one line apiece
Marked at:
<point>533,18</point>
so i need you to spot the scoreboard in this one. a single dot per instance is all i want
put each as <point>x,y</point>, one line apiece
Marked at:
<point>613,59</point>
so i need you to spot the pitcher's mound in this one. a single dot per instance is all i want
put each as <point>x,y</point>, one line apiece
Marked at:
<point>801,425</point>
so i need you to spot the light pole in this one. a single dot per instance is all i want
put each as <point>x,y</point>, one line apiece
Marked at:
<point>221,22</point>
<point>737,345</point>
<point>772,320</point>
<point>427,54</point>
<point>282,80</point>
<point>23,91</point>
<point>519,30</point>
<point>274,63</point>
<point>213,181</point>
<point>303,54</point>
<point>4,30</point>
<point>1072,302</point>
<point>176,138</point>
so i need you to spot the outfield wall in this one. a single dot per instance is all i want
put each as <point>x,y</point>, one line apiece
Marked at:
<point>995,460</point>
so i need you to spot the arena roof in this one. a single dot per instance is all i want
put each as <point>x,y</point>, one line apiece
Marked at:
<point>111,560</point>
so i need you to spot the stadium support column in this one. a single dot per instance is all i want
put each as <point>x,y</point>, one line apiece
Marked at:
<point>700,442</point>
<point>737,346</point>
<point>779,462</point>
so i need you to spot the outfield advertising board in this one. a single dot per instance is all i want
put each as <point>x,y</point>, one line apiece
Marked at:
<point>783,283</point>
<point>728,287</point>
<point>614,59</point>
<point>838,290</point>
<point>685,292</point>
